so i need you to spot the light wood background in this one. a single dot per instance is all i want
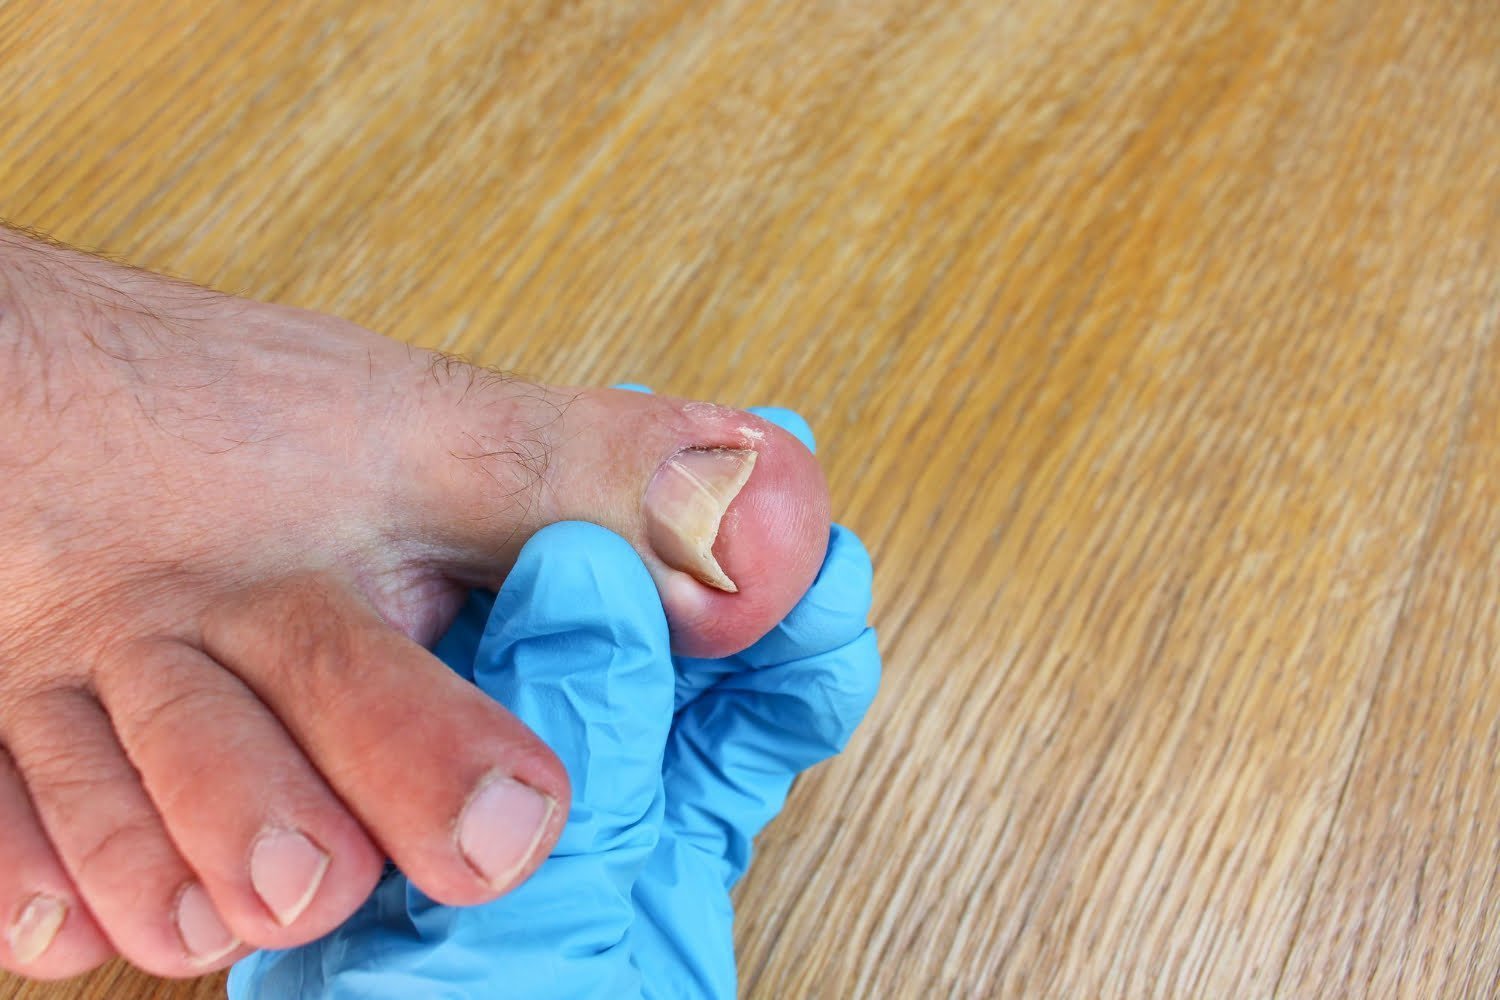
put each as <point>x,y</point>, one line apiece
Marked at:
<point>1152,346</point>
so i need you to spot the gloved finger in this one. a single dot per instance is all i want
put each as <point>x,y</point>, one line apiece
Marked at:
<point>684,931</point>
<point>577,646</point>
<point>728,773</point>
<point>633,387</point>
<point>734,750</point>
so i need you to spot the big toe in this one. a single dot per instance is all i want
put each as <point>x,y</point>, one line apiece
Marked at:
<point>729,512</point>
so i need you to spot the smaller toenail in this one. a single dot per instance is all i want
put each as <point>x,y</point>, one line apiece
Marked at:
<point>203,934</point>
<point>286,869</point>
<point>685,504</point>
<point>500,827</point>
<point>35,927</point>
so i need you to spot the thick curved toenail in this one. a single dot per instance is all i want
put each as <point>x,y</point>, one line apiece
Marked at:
<point>686,502</point>
<point>35,927</point>
<point>203,934</point>
<point>286,869</point>
<point>501,826</point>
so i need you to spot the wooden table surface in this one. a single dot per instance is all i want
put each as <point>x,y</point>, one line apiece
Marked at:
<point>1153,349</point>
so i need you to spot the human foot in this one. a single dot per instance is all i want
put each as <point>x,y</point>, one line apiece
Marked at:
<point>230,530</point>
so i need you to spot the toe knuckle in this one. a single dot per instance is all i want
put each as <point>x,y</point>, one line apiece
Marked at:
<point>162,717</point>
<point>126,853</point>
<point>294,628</point>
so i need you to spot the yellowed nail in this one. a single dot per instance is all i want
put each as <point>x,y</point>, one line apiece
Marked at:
<point>685,505</point>
<point>36,927</point>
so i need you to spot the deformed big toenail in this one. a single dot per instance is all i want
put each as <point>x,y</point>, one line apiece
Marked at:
<point>35,927</point>
<point>286,869</point>
<point>203,934</point>
<point>500,827</point>
<point>685,504</point>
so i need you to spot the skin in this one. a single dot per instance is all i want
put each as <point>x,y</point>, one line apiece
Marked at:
<point>230,528</point>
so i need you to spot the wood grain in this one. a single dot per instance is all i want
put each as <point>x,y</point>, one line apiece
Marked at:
<point>1153,350</point>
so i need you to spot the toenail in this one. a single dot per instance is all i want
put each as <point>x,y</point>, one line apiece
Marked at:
<point>286,869</point>
<point>686,502</point>
<point>500,827</point>
<point>35,927</point>
<point>203,934</point>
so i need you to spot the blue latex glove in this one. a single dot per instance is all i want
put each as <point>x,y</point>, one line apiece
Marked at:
<point>676,765</point>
